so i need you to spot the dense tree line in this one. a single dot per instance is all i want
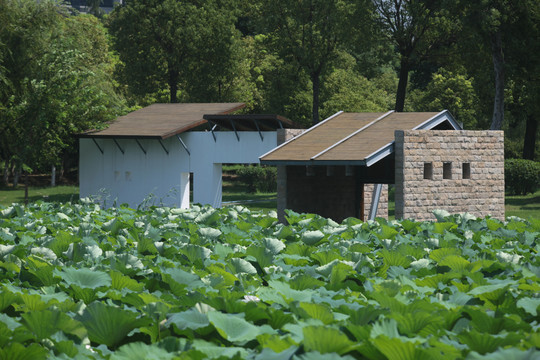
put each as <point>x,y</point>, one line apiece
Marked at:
<point>63,72</point>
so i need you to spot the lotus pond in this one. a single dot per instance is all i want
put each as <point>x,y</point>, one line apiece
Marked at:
<point>81,282</point>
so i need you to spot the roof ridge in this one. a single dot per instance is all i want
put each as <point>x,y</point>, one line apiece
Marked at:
<point>353,134</point>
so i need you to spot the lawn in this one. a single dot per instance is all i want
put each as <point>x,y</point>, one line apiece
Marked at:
<point>524,206</point>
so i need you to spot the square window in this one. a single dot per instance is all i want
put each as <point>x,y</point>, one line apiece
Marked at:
<point>447,170</point>
<point>466,169</point>
<point>428,171</point>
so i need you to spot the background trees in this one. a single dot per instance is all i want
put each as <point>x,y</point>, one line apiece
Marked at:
<point>57,82</point>
<point>304,59</point>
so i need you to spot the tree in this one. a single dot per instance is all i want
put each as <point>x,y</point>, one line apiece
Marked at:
<point>416,28</point>
<point>454,92</point>
<point>309,34</point>
<point>59,81</point>
<point>159,42</point>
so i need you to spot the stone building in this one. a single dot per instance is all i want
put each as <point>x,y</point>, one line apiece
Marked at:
<point>342,167</point>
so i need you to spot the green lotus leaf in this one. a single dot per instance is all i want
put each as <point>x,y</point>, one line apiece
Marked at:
<point>395,349</point>
<point>239,266</point>
<point>210,233</point>
<point>439,254</point>
<point>316,311</point>
<point>315,355</point>
<point>289,294</point>
<point>233,327</point>
<point>44,323</point>
<point>312,237</point>
<point>263,256</point>
<point>530,305</point>
<point>455,262</point>
<point>208,217</point>
<point>212,351</point>
<point>484,343</point>
<point>109,325</point>
<point>273,245</point>
<point>141,351</point>
<point>506,354</point>
<point>7,298</point>
<point>18,351</point>
<point>327,340</point>
<point>269,354</point>
<point>190,319</point>
<point>84,278</point>
<point>120,282</point>
<point>275,342</point>
<point>386,327</point>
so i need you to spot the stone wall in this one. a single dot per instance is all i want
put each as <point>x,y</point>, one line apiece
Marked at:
<point>458,171</point>
<point>382,209</point>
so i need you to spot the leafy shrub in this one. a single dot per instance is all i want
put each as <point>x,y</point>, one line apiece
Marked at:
<point>521,176</point>
<point>258,178</point>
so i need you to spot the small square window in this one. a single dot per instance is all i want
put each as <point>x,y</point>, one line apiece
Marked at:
<point>428,171</point>
<point>447,170</point>
<point>466,168</point>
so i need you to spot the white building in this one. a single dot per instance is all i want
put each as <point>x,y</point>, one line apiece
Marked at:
<point>152,151</point>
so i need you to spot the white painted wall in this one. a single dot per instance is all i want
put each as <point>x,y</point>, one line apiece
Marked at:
<point>161,178</point>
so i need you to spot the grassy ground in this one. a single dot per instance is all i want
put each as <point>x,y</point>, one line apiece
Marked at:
<point>524,206</point>
<point>527,206</point>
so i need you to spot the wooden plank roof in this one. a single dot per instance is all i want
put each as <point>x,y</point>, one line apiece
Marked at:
<point>353,138</point>
<point>161,121</point>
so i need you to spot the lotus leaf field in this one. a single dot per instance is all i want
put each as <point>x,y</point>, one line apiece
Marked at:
<point>81,282</point>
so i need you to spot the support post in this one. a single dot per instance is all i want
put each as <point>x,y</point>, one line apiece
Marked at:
<point>375,201</point>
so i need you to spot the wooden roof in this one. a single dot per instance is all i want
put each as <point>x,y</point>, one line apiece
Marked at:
<point>353,138</point>
<point>161,121</point>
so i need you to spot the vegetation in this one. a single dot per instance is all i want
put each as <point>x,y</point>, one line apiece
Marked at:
<point>83,282</point>
<point>258,178</point>
<point>521,176</point>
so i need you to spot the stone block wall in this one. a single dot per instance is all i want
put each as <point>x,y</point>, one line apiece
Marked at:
<point>458,171</point>
<point>382,209</point>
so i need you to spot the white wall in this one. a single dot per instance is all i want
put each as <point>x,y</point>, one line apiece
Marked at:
<point>131,177</point>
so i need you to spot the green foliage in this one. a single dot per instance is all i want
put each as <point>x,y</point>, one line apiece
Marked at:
<point>234,284</point>
<point>521,176</point>
<point>450,91</point>
<point>258,178</point>
<point>58,81</point>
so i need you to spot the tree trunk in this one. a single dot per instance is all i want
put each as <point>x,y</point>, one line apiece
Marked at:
<point>402,84</point>
<point>529,145</point>
<point>53,176</point>
<point>498,67</point>
<point>16,175</point>
<point>315,80</point>
<point>173,85</point>
<point>26,188</point>
<point>5,177</point>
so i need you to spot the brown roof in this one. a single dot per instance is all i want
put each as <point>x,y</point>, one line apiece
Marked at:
<point>353,138</point>
<point>163,120</point>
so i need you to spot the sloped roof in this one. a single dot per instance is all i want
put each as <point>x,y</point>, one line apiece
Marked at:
<point>161,121</point>
<point>353,138</point>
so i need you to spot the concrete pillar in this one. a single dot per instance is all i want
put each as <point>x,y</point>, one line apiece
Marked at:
<point>207,185</point>
<point>184,190</point>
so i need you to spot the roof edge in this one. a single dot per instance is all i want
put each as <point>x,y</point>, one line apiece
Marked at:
<point>438,119</point>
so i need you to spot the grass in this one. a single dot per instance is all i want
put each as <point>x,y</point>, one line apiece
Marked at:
<point>524,206</point>
<point>55,194</point>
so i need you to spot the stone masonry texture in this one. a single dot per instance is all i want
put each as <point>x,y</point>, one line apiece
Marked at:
<point>481,194</point>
